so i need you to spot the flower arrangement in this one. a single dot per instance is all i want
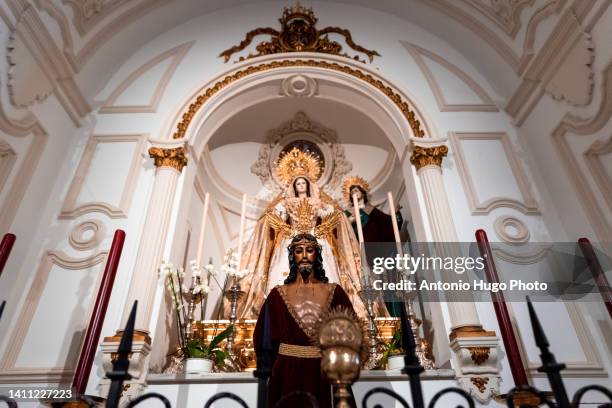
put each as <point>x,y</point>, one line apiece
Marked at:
<point>393,348</point>
<point>189,346</point>
<point>231,265</point>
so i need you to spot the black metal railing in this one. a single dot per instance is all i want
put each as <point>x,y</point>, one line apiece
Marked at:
<point>520,397</point>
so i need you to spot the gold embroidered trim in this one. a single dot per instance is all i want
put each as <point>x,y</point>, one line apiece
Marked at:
<point>294,350</point>
<point>312,332</point>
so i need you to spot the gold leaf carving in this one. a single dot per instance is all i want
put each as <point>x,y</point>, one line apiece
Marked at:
<point>480,383</point>
<point>425,156</point>
<point>175,158</point>
<point>298,34</point>
<point>181,127</point>
<point>479,354</point>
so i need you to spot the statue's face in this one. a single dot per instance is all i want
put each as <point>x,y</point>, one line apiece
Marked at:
<point>301,185</point>
<point>356,191</point>
<point>304,255</point>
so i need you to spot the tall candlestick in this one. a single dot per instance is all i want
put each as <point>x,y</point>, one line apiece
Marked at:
<point>501,311</point>
<point>5,249</point>
<point>242,225</point>
<point>358,219</point>
<point>202,230</point>
<point>94,329</point>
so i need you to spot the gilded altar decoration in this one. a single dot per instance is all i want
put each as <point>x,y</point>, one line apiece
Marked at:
<point>297,163</point>
<point>479,354</point>
<point>353,181</point>
<point>480,383</point>
<point>426,156</point>
<point>298,34</point>
<point>175,158</point>
<point>200,100</point>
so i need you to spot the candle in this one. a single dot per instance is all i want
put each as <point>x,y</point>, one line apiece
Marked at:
<point>94,329</point>
<point>396,235</point>
<point>202,230</point>
<point>393,217</point>
<point>242,225</point>
<point>358,219</point>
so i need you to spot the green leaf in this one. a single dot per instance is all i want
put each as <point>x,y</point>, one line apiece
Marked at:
<point>221,336</point>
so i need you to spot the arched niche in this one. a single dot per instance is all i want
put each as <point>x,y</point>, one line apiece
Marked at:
<point>327,79</point>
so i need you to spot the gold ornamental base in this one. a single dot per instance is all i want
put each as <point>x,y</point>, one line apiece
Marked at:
<point>243,340</point>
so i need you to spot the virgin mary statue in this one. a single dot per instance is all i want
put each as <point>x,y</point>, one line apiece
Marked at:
<point>300,209</point>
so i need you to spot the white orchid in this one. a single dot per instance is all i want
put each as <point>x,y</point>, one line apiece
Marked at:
<point>195,268</point>
<point>210,269</point>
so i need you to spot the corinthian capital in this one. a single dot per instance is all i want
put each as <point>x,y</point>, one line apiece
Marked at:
<point>425,156</point>
<point>175,157</point>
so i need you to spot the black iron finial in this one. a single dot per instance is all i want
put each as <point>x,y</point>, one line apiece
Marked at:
<point>122,363</point>
<point>549,362</point>
<point>412,363</point>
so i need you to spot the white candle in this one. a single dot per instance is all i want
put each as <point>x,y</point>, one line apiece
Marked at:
<point>393,217</point>
<point>202,230</point>
<point>242,225</point>
<point>358,219</point>
<point>396,235</point>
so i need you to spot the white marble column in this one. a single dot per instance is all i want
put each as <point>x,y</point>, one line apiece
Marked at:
<point>428,162</point>
<point>475,349</point>
<point>170,158</point>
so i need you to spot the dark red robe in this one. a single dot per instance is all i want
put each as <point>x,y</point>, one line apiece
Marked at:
<point>294,373</point>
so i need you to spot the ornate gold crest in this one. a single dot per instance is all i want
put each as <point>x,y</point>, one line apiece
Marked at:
<point>354,181</point>
<point>298,34</point>
<point>296,163</point>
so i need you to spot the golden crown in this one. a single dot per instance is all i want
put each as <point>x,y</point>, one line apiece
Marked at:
<point>298,12</point>
<point>354,181</point>
<point>296,163</point>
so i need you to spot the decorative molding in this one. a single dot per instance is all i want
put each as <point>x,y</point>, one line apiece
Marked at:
<point>175,55</point>
<point>573,80</point>
<point>9,372</point>
<point>80,242</point>
<point>519,237</point>
<point>582,127</point>
<point>525,258</point>
<point>37,56</point>
<point>600,175</point>
<point>299,85</point>
<point>503,47</point>
<point>70,208</point>
<point>20,128</point>
<point>8,157</point>
<point>506,14</point>
<point>528,204</point>
<point>199,101</point>
<point>428,156</point>
<point>590,367</point>
<point>455,11</point>
<point>301,127</point>
<point>88,13</point>
<point>172,157</point>
<point>27,81</point>
<point>570,33</point>
<point>419,54</point>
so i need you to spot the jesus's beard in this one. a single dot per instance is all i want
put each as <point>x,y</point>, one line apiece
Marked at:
<point>305,271</point>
